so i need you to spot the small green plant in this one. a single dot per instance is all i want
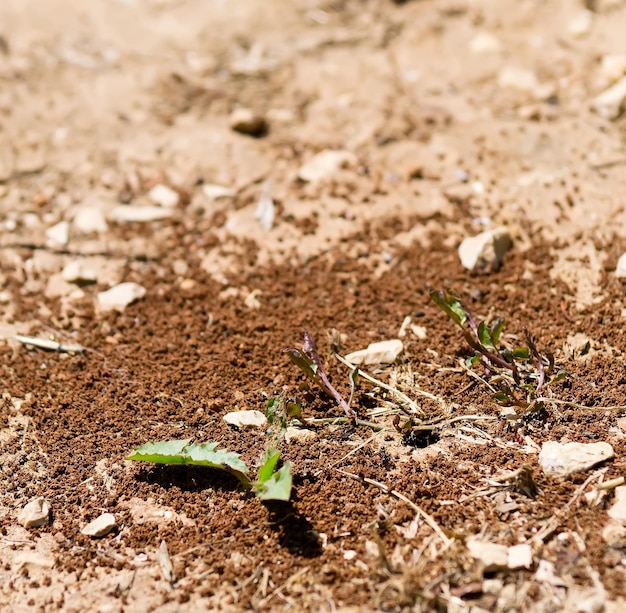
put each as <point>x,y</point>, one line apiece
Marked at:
<point>518,374</point>
<point>309,362</point>
<point>270,484</point>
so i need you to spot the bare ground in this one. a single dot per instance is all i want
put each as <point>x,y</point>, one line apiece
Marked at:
<point>452,117</point>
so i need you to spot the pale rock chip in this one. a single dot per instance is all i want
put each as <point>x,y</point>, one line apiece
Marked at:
<point>613,67</point>
<point>545,574</point>
<point>246,419</point>
<point>301,435</point>
<point>100,526</point>
<point>120,296</point>
<point>164,196</point>
<point>252,299</point>
<point>32,560</point>
<point>384,352</point>
<point>486,250</point>
<point>325,164</point>
<point>246,121</point>
<point>492,556</point>
<point>89,220</point>
<point>581,24</point>
<point>78,272</point>
<point>485,42</point>
<point>216,192</point>
<point>514,77</point>
<point>614,534</point>
<point>35,514</point>
<point>186,285</point>
<point>58,235</point>
<point>618,510</point>
<point>563,460</point>
<point>610,103</point>
<point>577,345</point>
<point>620,269</point>
<point>519,556</point>
<point>139,214</point>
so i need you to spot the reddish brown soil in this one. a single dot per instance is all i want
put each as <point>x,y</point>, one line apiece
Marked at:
<point>452,117</point>
<point>171,366</point>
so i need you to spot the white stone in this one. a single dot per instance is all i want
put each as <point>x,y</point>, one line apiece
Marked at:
<point>141,214</point>
<point>562,460</point>
<point>614,533</point>
<point>246,419</point>
<point>77,272</point>
<point>35,514</point>
<point>384,352</point>
<point>301,435</point>
<point>59,234</point>
<point>613,67</point>
<point>618,510</point>
<point>88,220</point>
<point>620,270</point>
<point>486,250</point>
<point>215,192</point>
<point>513,77</point>
<point>610,103</point>
<point>492,556</point>
<point>100,526</point>
<point>545,574</point>
<point>325,164</point>
<point>120,296</point>
<point>164,196</point>
<point>484,42</point>
<point>519,556</point>
<point>581,24</point>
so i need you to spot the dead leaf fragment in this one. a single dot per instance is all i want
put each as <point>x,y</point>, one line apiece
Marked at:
<point>384,352</point>
<point>35,514</point>
<point>492,556</point>
<point>562,460</point>
<point>165,562</point>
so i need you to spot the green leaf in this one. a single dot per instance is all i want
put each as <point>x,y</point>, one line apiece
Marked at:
<point>294,408</point>
<point>268,464</point>
<point>205,454</point>
<point>521,353</point>
<point>484,334</point>
<point>278,487</point>
<point>469,362</point>
<point>163,452</point>
<point>502,398</point>
<point>451,307</point>
<point>182,452</point>
<point>303,362</point>
<point>272,406</point>
<point>496,330</point>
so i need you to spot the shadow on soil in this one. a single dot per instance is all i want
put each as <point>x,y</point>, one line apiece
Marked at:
<point>189,478</point>
<point>295,532</point>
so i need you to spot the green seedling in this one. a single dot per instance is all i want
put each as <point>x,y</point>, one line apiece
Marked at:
<point>517,375</point>
<point>309,362</point>
<point>271,484</point>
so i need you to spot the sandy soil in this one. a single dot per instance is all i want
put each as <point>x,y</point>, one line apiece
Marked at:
<point>379,135</point>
